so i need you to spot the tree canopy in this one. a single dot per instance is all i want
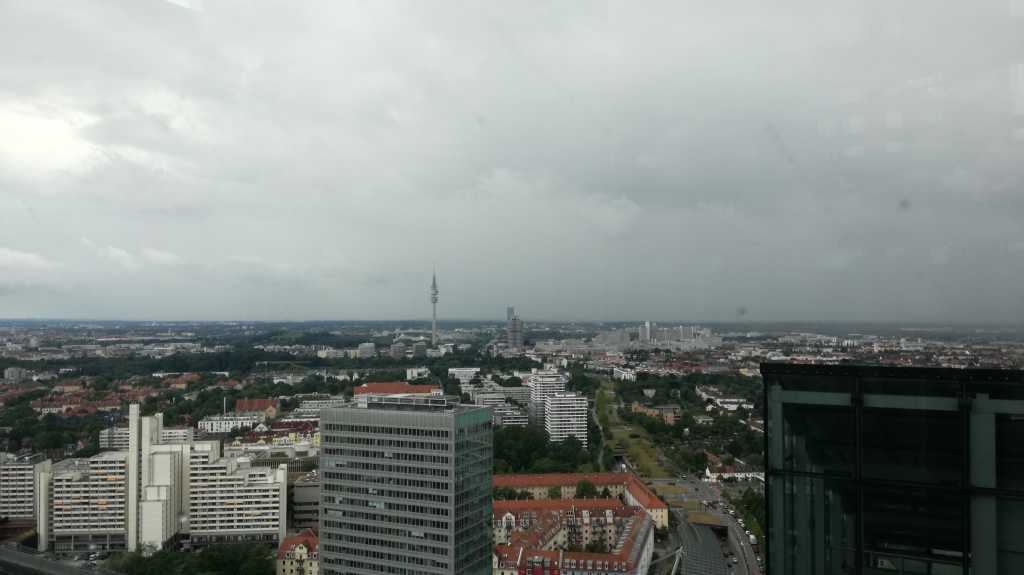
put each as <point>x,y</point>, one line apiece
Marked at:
<point>527,450</point>
<point>234,559</point>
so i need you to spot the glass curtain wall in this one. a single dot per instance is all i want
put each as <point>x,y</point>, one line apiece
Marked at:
<point>874,470</point>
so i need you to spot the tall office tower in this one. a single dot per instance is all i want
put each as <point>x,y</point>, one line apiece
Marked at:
<point>515,331</point>
<point>510,312</point>
<point>405,487</point>
<point>19,474</point>
<point>542,384</point>
<point>433,303</point>
<point>894,470</point>
<point>565,415</point>
<point>645,332</point>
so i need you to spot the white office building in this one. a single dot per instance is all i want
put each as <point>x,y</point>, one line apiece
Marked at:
<point>623,374</point>
<point>414,373</point>
<point>19,474</point>
<point>510,416</point>
<point>231,422</point>
<point>565,415</point>
<point>15,375</point>
<point>367,350</point>
<point>463,374</point>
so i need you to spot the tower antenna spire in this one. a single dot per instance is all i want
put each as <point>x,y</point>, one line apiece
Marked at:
<point>433,301</point>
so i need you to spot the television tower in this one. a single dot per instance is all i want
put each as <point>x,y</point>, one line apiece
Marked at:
<point>433,301</point>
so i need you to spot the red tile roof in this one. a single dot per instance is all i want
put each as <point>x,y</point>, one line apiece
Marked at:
<point>389,387</point>
<point>255,404</point>
<point>306,537</point>
<point>502,506</point>
<point>634,484</point>
<point>622,559</point>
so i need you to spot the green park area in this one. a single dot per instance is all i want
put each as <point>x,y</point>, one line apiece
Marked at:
<point>631,440</point>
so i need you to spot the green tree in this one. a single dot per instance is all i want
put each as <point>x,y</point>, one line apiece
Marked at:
<point>586,490</point>
<point>554,492</point>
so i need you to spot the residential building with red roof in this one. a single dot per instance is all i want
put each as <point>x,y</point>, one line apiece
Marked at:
<point>626,485</point>
<point>299,554</point>
<point>535,537</point>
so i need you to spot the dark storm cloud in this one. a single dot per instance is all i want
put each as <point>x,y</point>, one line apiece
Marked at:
<point>810,160</point>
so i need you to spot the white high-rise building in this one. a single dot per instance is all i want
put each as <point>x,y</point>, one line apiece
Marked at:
<point>543,384</point>
<point>232,500</point>
<point>19,474</point>
<point>83,504</point>
<point>146,495</point>
<point>645,332</point>
<point>117,437</point>
<point>565,415</point>
<point>15,375</point>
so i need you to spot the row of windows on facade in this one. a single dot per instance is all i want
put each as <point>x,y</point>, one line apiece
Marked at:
<point>427,458</point>
<point>354,551</point>
<point>388,493</point>
<point>387,506</point>
<point>387,518</point>
<point>385,430</point>
<point>392,443</point>
<point>441,537</point>
<point>385,480</point>
<point>347,565</point>
<point>386,468</point>
<point>385,543</point>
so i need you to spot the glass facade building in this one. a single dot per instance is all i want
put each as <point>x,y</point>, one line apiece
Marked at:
<point>405,487</point>
<point>881,470</point>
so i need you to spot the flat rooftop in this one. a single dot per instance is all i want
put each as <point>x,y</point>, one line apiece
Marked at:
<point>894,372</point>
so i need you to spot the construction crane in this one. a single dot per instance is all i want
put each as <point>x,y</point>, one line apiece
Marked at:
<point>677,554</point>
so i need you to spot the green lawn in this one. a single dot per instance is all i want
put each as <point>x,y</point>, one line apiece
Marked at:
<point>632,439</point>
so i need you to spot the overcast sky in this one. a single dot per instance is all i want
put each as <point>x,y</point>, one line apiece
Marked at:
<point>693,160</point>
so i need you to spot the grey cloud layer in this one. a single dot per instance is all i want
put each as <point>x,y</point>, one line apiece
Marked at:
<point>280,160</point>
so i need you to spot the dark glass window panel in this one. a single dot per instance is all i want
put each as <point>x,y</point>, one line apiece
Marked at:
<point>997,390</point>
<point>1010,540</point>
<point>912,446</point>
<point>1010,452</point>
<point>818,439</point>
<point>913,523</point>
<point>818,383</point>
<point>820,527</point>
<point>915,387</point>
